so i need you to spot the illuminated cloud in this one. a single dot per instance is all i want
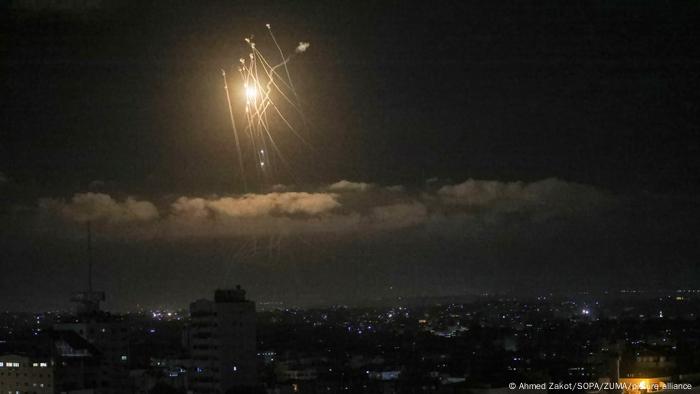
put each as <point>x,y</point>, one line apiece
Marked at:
<point>344,208</point>
<point>256,205</point>
<point>475,192</point>
<point>100,207</point>
<point>349,186</point>
<point>547,192</point>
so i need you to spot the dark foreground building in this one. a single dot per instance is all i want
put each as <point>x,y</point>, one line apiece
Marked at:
<point>222,342</point>
<point>57,362</point>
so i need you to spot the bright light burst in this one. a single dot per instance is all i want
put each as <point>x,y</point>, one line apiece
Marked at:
<point>264,86</point>
<point>251,92</point>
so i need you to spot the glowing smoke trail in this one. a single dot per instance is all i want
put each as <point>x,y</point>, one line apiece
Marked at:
<point>235,132</point>
<point>262,85</point>
<point>284,62</point>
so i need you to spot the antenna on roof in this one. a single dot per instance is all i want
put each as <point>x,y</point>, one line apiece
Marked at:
<point>88,301</point>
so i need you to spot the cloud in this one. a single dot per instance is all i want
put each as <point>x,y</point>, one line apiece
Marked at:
<point>478,193</point>
<point>549,192</point>
<point>100,207</point>
<point>349,186</point>
<point>256,205</point>
<point>342,208</point>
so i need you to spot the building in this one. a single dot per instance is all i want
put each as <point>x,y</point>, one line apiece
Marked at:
<point>77,363</point>
<point>109,336</point>
<point>222,342</point>
<point>67,365</point>
<point>21,374</point>
<point>163,371</point>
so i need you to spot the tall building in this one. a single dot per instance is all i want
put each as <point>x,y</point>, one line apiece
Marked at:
<point>222,342</point>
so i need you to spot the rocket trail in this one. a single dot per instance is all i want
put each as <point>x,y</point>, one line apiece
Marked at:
<point>262,85</point>
<point>235,132</point>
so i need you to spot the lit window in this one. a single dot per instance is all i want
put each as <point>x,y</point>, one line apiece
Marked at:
<point>124,358</point>
<point>35,364</point>
<point>43,365</point>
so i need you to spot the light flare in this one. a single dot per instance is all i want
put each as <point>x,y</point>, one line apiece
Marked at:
<point>265,86</point>
<point>251,92</point>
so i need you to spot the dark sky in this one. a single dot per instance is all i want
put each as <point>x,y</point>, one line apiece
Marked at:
<point>577,121</point>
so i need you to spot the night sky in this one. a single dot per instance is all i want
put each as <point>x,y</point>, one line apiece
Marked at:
<point>455,147</point>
